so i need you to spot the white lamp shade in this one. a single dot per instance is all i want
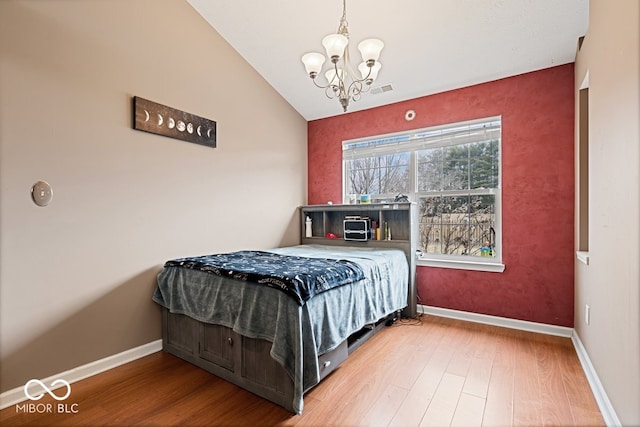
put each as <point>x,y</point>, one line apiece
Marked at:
<point>370,49</point>
<point>331,76</point>
<point>313,62</point>
<point>364,70</point>
<point>334,44</point>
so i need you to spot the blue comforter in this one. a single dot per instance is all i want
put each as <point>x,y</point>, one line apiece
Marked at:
<point>299,277</point>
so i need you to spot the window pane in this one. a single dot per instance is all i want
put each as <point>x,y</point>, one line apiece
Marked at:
<point>458,225</point>
<point>482,233</point>
<point>430,169</point>
<point>445,168</point>
<point>484,164</point>
<point>385,174</point>
<point>456,168</point>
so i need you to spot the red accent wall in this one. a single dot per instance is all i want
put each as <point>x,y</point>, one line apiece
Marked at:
<point>537,112</point>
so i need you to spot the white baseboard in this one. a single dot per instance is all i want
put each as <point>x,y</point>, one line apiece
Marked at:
<point>16,395</point>
<point>504,322</point>
<point>606,408</point>
<point>604,404</point>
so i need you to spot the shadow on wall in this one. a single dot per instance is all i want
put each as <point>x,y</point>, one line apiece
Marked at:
<point>123,319</point>
<point>293,224</point>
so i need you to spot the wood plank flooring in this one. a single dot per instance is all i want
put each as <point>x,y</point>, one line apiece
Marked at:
<point>431,372</point>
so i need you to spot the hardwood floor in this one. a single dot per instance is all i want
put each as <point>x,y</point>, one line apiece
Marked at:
<point>435,372</point>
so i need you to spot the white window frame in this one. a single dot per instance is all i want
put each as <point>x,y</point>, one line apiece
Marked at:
<point>412,142</point>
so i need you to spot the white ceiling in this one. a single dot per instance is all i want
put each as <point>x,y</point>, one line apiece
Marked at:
<point>430,45</point>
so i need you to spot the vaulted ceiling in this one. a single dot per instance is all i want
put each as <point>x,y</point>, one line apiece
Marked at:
<point>431,46</point>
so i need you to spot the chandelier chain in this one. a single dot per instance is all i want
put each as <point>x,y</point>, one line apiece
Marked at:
<point>343,28</point>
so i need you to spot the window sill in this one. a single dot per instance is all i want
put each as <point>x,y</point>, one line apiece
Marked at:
<point>494,267</point>
<point>583,257</point>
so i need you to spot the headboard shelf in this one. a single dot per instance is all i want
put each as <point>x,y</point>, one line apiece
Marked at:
<point>398,220</point>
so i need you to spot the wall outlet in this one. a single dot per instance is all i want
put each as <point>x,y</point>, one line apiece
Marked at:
<point>587,313</point>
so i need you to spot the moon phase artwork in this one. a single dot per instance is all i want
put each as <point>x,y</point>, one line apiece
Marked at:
<point>156,118</point>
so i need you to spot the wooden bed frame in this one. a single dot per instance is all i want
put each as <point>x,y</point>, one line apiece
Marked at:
<point>246,362</point>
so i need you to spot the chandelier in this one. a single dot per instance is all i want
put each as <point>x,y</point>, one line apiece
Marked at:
<point>343,82</point>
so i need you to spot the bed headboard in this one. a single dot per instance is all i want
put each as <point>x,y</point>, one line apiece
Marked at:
<point>396,226</point>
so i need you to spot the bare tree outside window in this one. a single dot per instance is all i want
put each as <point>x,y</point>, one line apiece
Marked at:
<point>379,175</point>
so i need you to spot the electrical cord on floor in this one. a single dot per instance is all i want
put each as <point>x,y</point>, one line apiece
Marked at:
<point>406,321</point>
<point>412,321</point>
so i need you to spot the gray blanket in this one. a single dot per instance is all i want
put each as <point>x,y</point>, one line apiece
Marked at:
<point>298,333</point>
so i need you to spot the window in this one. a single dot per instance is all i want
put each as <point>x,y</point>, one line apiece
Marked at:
<point>452,172</point>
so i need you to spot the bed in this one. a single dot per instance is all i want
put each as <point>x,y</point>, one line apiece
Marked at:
<point>262,337</point>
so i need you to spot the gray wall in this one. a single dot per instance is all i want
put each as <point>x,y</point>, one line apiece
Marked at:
<point>77,276</point>
<point>610,284</point>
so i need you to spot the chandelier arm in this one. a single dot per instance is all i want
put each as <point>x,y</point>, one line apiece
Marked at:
<point>321,86</point>
<point>369,73</point>
<point>366,88</point>
<point>337,75</point>
<point>355,89</point>
<point>329,92</point>
<point>329,85</point>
